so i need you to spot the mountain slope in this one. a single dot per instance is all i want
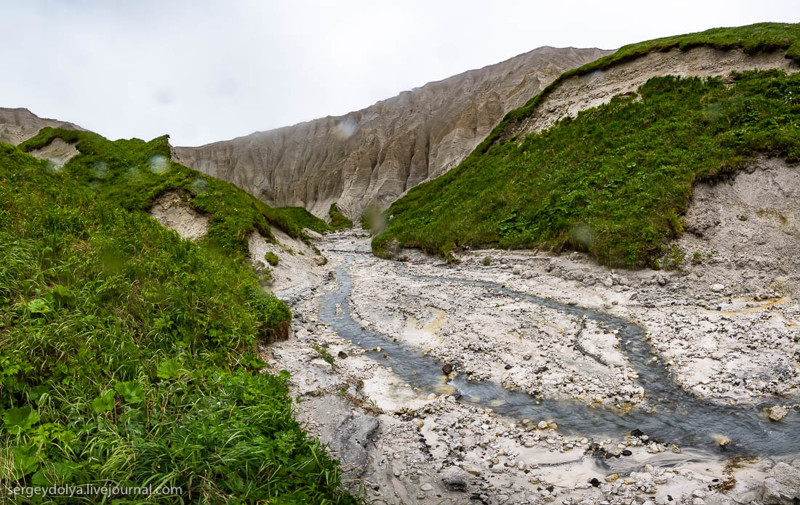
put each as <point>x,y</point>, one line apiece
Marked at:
<point>18,125</point>
<point>616,180</point>
<point>134,174</point>
<point>128,356</point>
<point>376,154</point>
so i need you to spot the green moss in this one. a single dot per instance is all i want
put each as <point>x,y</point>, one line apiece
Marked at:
<point>338,220</point>
<point>759,37</point>
<point>304,219</point>
<point>324,354</point>
<point>272,258</point>
<point>134,173</point>
<point>129,356</point>
<point>614,181</point>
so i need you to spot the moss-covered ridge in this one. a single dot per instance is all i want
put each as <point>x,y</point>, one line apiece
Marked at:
<point>134,173</point>
<point>752,39</point>
<point>614,181</point>
<point>128,357</point>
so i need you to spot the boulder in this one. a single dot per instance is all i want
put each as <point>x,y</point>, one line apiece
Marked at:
<point>782,486</point>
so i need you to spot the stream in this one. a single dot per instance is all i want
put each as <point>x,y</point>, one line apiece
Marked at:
<point>677,416</point>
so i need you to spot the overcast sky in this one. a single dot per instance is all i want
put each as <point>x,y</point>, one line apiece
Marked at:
<point>204,71</point>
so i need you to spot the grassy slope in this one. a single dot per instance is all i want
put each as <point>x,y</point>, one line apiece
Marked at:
<point>338,220</point>
<point>133,173</point>
<point>127,355</point>
<point>615,180</point>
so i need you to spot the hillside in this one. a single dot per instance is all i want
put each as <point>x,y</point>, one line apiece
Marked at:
<point>616,180</point>
<point>374,155</point>
<point>129,356</point>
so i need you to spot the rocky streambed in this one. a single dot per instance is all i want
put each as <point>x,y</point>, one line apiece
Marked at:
<point>567,383</point>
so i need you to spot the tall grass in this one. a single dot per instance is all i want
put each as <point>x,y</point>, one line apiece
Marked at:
<point>128,356</point>
<point>614,181</point>
<point>133,173</point>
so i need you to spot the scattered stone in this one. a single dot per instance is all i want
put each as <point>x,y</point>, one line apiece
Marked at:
<point>777,413</point>
<point>426,487</point>
<point>341,355</point>
<point>455,479</point>
<point>717,287</point>
<point>447,369</point>
<point>594,482</point>
<point>612,478</point>
<point>782,486</point>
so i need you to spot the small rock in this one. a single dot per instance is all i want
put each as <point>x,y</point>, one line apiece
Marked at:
<point>594,482</point>
<point>612,478</point>
<point>517,269</point>
<point>426,487</point>
<point>455,479</point>
<point>777,413</point>
<point>341,355</point>
<point>542,425</point>
<point>717,287</point>
<point>447,369</point>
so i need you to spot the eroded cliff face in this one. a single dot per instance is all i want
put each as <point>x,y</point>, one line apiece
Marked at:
<point>581,92</point>
<point>18,125</point>
<point>374,155</point>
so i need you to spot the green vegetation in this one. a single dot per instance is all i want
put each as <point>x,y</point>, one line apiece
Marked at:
<point>127,355</point>
<point>133,174</point>
<point>751,39</point>
<point>614,181</point>
<point>338,220</point>
<point>324,354</point>
<point>272,258</point>
<point>487,261</point>
<point>304,219</point>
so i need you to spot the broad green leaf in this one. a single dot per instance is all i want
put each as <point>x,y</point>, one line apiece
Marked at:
<point>131,391</point>
<point>52,473</point>
<point>25,460</point>
<point>104,402</point>
<point>38,306</point>
<point>37,392</point>
<point>169,369</point>
<point>20,419</point>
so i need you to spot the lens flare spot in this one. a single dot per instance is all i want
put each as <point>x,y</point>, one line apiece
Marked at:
<point>158,164</point>
<point>346,128</point>
<point>198,186</point>
<point>100,170</point>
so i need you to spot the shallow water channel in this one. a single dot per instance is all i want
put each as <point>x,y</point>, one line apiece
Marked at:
<point>678,417</point>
